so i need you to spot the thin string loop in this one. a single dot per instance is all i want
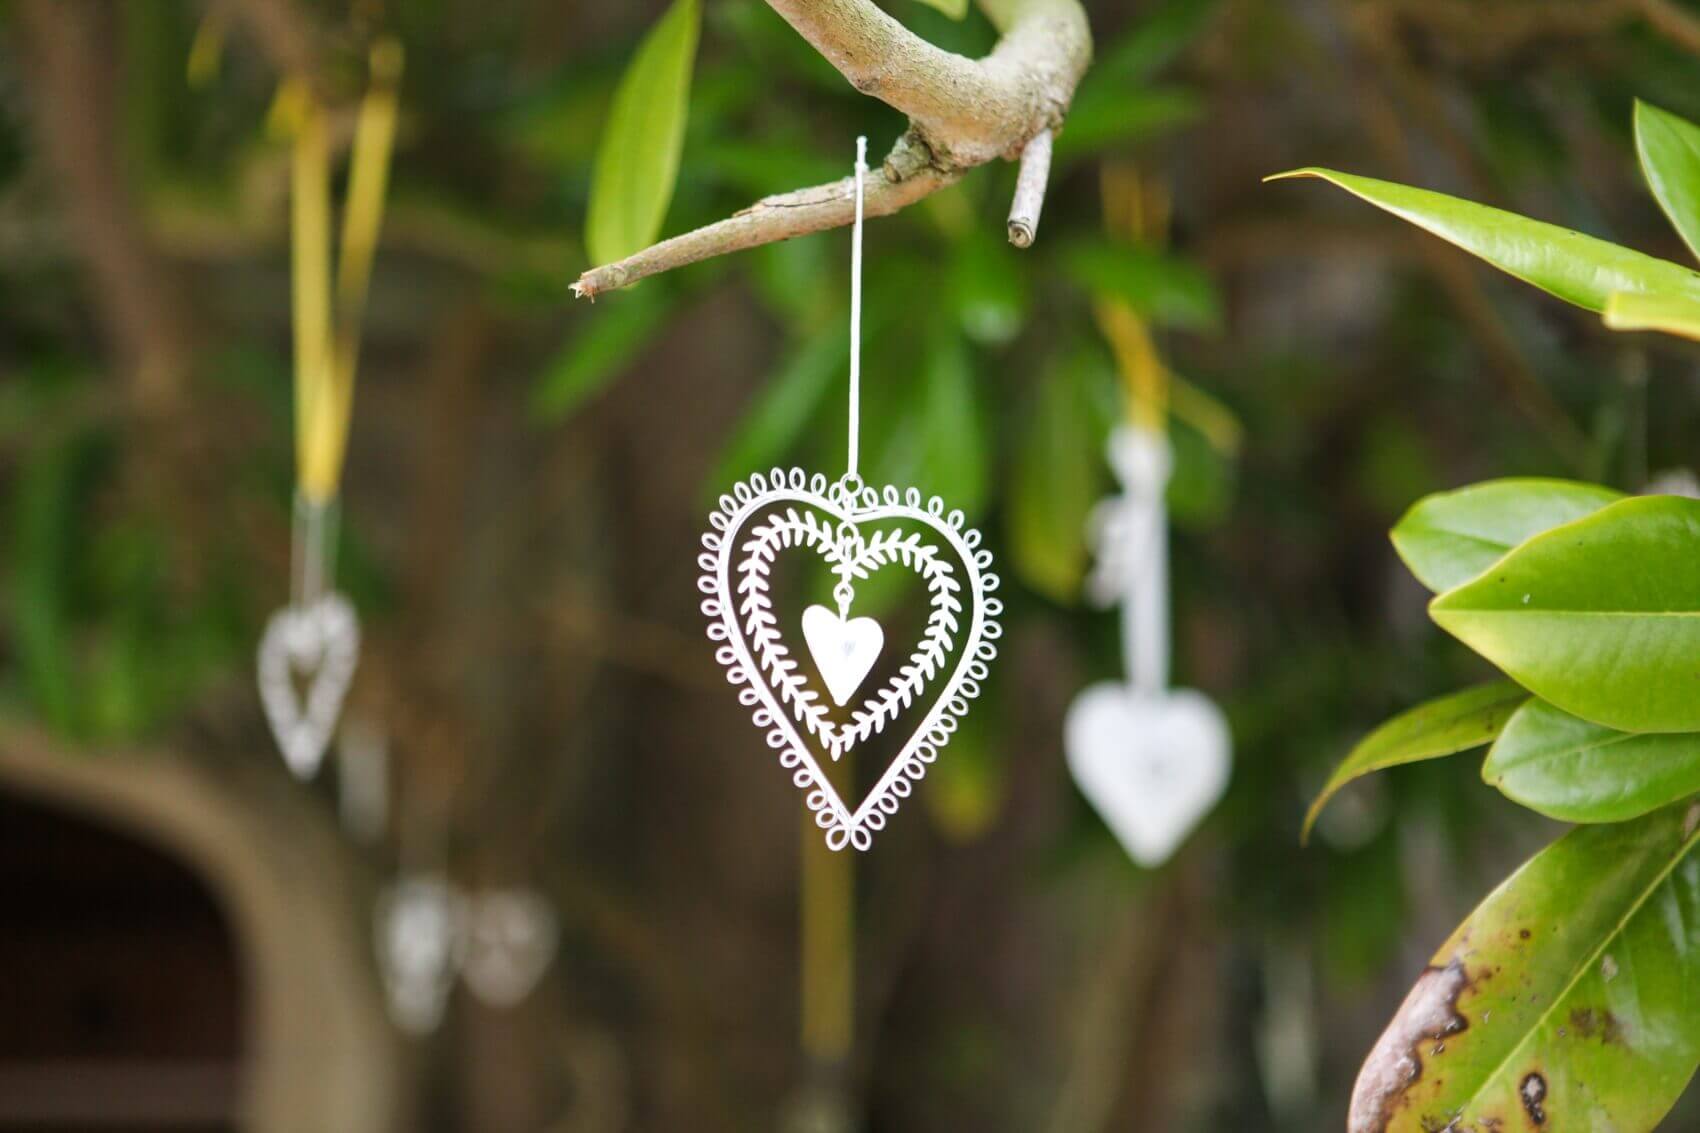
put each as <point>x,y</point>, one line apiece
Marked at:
<point>856,311</point>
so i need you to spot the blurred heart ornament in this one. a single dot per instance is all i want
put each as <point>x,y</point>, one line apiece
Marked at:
<point>511,940</point>
<point>1151,764</point>
<point>1151,760</point>
<point>420,931</point>
<point>856,530</point>
<point>320,642</point>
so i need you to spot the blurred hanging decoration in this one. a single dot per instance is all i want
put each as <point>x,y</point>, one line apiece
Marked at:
<point>857,530</point>
<point>1151,760</point>
<point>309,650</point>
<point>420,931</point>
<point>511,940</point>
<point>428,932</point>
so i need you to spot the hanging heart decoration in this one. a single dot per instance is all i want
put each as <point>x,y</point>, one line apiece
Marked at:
<point>319,644</point>
<point>512,936</point>
<point>856,531</point>
<point>1151,760</point>
<point>1152,764</point>
<point>420,934</point>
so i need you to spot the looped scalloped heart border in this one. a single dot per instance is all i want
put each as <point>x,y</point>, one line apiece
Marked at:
<point>850,507</point>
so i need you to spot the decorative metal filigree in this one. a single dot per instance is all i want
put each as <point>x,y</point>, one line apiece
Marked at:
<point>321,643</point>
<point>791,510</point>
<point>314,640</point>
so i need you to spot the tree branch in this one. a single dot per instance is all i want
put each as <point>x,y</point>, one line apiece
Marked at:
<point>1035,171</point>
<point>962,113</point>
<point>903,178</point>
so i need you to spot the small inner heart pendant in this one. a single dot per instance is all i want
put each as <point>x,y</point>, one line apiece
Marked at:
<point>856,531</point>
<point>844,649</point>
<point>318,644</point>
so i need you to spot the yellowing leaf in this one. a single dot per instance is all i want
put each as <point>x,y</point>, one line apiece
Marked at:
<point>1671,314</point>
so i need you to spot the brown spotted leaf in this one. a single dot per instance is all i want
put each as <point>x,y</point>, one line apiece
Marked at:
<point>1568,1001</point>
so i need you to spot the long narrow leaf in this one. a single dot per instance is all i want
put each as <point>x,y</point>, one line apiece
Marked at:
<point>1447,725</point>
<point>637,161</point>
<point>1578,269</point>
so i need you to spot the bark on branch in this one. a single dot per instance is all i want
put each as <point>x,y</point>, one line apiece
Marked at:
<point>962,113</point>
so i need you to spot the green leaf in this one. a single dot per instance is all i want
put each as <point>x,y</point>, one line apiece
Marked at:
<point>1569,1000</point>
<point>1451,537</point>
<point>953,440</point>
<point>1600,616</point>
<point>1669,149</point>
<point>1672,314</point>
<point>1447,725</point>
<point>1578,269</point>
<point>772,425</point>
<point>46,516</point>
<point>602,344</point>
<point>1201,479</point>
<point>1101,118</point>
<point>988,287</point>
<point>1566,768</point>
<point>955,9</point>
<point>1162,288</point>
<point>637,161</point>
<point>1155,38</point>
<point>1055,483</point>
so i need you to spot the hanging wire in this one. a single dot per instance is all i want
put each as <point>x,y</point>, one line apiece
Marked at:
<point>856,309</point>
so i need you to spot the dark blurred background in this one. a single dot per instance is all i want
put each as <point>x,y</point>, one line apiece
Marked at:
<point>186,940</point>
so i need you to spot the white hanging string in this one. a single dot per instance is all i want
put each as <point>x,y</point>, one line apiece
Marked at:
<point>856,309</point>
<point>1142,459</point>
<point>312,549</point>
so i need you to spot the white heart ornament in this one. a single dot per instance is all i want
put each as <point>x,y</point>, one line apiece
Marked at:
<point>778,510</point>
<point>321,641</point>
<point>512,939</point>
<point>1151,764</point>
<point>844,649</point>
<point>419,926</point>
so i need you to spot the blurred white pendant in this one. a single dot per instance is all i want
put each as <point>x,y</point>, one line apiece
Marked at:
<point>317,644</point>
<point>420,930</point>
<point>512,940</point>
<point>1151,764</point>
<point>1152,761</point>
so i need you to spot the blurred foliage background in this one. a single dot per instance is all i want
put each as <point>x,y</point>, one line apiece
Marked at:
<point>528,477</point>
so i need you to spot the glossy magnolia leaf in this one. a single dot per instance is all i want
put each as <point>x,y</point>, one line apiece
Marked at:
<point>1450,724</point>
<point>1671,314</point>
<point>1451,537</point>
<point>600,347</point>
<point>637,161</point>
<point>1568,1001</point>
<point>1669,148</point>
<point>1578,269</point>
<point>1600,616</point>
<point>1568,769</point>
